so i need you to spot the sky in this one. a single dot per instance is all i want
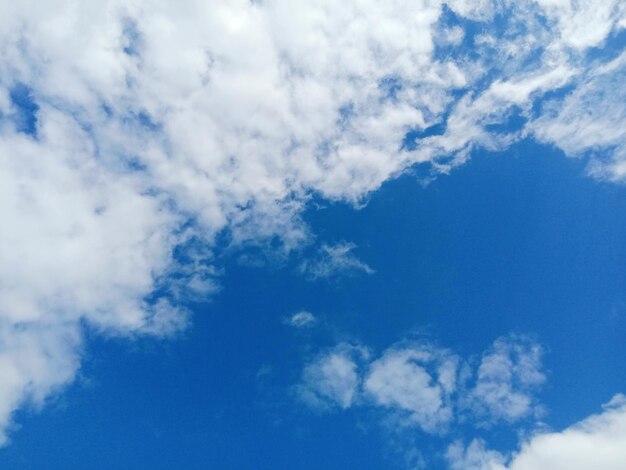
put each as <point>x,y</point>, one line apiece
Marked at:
<point>272,234</point>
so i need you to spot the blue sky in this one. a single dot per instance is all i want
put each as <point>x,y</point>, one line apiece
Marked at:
<point>520,242</point>
<point>266,236</point>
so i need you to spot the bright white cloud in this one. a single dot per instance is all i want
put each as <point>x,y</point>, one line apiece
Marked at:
<point>596,442</point>
<point>231,114</point>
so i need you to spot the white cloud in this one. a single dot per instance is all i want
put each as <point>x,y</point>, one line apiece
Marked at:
<point>417,381</point>
<point>332,261</point>
<point>596,442</point>
<point>591,120</point>
<point>421,385</point>
<point>35,360</point>
<point>453,36</point>
<point>332,379</point>
<point>231,114</point>
<point>473,457</point>
<point>507,377</point>
<point>302,319</point>
<point>583,24</point>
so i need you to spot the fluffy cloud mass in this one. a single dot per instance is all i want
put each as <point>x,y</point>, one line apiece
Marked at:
<point>402,379</point>
<point>595,442</point>
<point>133,133</point>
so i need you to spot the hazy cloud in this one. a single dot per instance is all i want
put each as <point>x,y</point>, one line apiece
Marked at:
<point>302,319</point>
<point>332,379</point>
<point>333,261</point>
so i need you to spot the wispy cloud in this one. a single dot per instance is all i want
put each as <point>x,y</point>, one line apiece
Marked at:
<point>333,261</point>
<point>302,319</point>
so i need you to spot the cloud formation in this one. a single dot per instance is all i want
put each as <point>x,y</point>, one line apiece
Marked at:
<point>506,378</point>
<point>332,380</point>
<point>416,380</point>
<point>595,442</point>
<point>133,132</point>
<point>425,386</point>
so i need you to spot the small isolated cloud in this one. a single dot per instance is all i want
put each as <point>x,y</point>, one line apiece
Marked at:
<point>595,442</point>
<point>302,319</point>
<point>332,261</point>
<point>421,385</point>
<point>332,379</point>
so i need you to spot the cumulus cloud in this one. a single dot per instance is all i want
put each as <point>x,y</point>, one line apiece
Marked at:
<point>595,442</point>
<point>417,381</point>
<point>130,129</point>
<point>506,378</point>
<point>419,384</point>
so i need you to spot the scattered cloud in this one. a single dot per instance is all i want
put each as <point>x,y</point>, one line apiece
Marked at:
<point>421,385</point>
<point>332,261</point>
<point>429,387</point>
<point>128,129</point>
